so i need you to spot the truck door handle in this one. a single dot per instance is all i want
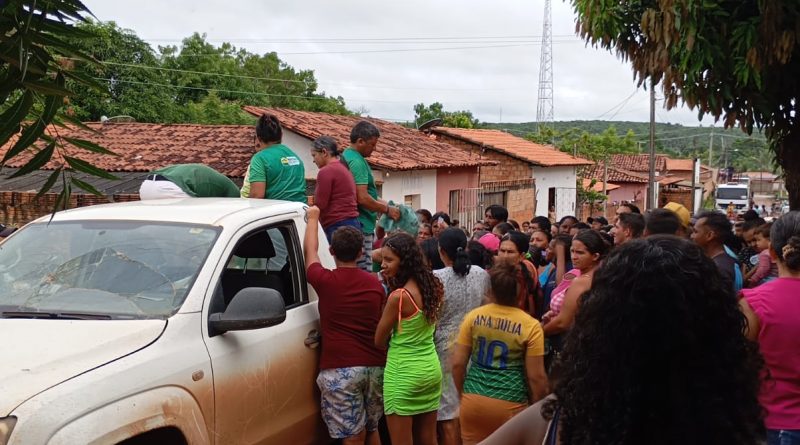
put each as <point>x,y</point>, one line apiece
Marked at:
<point>313,339</point>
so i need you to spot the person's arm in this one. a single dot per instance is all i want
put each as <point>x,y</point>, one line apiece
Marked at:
<point>375,205</point>
<point>526,428</point>
<point>258,190</point>
<point>537,377</point>
<point>753,323</point>
<point>258,178</point>
<point>311,239</point>
<point>388,320</point>
<point>322,194</point>
<point>566,317</point>
<point>761,271</point>
<point>561,262</point>
<point>460,359</point>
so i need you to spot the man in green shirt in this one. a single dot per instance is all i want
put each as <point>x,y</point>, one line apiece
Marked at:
<point>187,180</point>
<point>275,172</point>
<point>363,139</point>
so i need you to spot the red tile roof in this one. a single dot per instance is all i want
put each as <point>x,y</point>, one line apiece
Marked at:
<point>683,165</point>
<point>615,175</point>
<point>515,146</point>
<point>598,185</point>
<point>399,148</point>
<point>145,147</point>
<point>638,163</point>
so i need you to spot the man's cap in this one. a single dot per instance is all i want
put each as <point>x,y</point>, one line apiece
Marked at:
<point>681,211</point>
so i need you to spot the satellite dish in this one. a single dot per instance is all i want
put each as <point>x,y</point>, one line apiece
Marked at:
<point>430,124</point>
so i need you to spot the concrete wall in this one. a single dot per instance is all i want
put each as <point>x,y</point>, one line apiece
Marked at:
<point>449,179</point>
<point>628,192</point>
<point>559,178</point>
<point>398,185</point>
<point>302,148</point>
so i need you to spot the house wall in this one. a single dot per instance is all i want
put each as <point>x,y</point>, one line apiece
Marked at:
<point>628,191</point>
<point>398,185</point>
<point>450,179</point>
<point>562,178</point>
<point>519,199</point>
<point>301,146</point>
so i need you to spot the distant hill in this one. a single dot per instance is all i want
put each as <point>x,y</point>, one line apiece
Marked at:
<point>672,139</point>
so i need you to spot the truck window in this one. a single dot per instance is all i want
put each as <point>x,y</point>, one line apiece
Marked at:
<point>267,257</point>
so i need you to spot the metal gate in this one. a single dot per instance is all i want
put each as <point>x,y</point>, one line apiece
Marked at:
<point>466,205</point>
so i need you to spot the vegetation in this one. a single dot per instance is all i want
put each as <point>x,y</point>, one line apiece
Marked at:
<point>729,146</point>
<point>37,81</point>
<point>196,82</point>
<point>453,119</point>
<point>738,61</point>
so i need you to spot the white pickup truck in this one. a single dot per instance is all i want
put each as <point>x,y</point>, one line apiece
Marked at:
<point>166,322</point>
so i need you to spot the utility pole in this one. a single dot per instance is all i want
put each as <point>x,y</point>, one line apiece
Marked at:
<point>605,190</point>
<point>651,195</point>
<point>710,147</point>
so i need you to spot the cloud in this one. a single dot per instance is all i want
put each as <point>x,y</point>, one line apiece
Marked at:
<point>387,78</point>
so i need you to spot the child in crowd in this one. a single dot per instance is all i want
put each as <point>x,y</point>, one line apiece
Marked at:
<point>767,269</point>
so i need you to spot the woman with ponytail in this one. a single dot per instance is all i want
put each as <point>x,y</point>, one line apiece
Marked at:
<point>275,172</point>
<point>513,248</point>
<point>773,320</point>
<point>465,287</point>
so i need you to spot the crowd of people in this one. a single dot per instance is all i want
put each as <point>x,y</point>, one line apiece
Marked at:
<point>657,328</point>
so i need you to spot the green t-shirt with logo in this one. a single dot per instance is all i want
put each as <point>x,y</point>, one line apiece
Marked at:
<point>200,181</point>
<point>283,172</point>
<point>363,176</point>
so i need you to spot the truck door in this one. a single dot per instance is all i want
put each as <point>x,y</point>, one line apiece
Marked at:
<point>265,379</point>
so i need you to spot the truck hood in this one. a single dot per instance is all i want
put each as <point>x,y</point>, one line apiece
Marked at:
<point>39,354</point>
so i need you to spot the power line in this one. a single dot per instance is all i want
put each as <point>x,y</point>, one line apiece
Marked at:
<point>277,79</point>
<point>415,39</point>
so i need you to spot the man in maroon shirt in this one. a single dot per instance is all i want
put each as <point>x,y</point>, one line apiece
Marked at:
<point>336,192</point>
<point>350,304</point>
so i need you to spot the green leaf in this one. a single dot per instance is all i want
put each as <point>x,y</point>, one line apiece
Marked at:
<point>39,160</point>
<point>86,186</point>
<point>85,80</point>
<point>74,121</point>
<point>89,146</point>
<point>13,117</point>
<point>28,137</point>
<point>47,88</point>
<point>49,183</point>
<point>85,167</point>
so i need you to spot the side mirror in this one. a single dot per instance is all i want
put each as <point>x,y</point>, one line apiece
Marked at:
<point>251,308</point>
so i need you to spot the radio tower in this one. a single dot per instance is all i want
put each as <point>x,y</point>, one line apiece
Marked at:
<point>544,110</point>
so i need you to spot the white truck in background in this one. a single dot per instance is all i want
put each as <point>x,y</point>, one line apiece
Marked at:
<point>737,193</point>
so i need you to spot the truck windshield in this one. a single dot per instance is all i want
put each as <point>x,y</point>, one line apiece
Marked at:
<point>122,269</point>
<point>731,193</point>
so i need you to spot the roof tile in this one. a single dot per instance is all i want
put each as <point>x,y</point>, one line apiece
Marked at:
<point>400,148</point>
<point>638,163</point>
<point>145,147</point>
<point>537,154</point>
<point>615,175</point>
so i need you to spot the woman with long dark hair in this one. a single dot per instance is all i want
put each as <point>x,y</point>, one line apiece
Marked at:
<point>773,316</point>
<point>413,376</point>
<point>587,251</point>
<point>465,287</point>
<point>657,356</point>
<point>513,247</point>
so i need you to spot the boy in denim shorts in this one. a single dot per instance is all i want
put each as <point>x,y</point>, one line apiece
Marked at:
<point>350,305</point>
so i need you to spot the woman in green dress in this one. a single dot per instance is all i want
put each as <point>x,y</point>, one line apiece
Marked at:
<point>413,377</point>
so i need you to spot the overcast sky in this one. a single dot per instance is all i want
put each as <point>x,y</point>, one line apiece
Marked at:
<point>392,55</point>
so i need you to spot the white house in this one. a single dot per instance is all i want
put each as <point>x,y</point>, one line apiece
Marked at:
<point>409,167</point>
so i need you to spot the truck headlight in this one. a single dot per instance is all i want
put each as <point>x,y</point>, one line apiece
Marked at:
<point>6,426</point>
